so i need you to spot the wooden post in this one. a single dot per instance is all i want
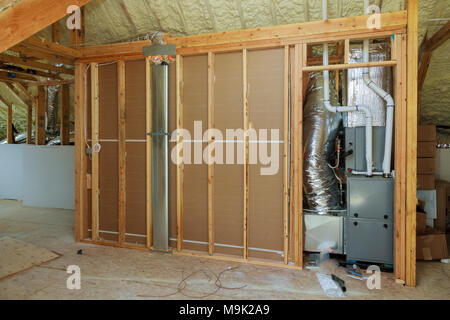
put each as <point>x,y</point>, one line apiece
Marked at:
<point>95,122</point>
<point>400,159</point>
<point>411,145</point>
<point>9,129</point>
<point>65,114</point>
<point>148,114</point>
<point>246,154</point>
<point>180,164</point>
<point>81,207</point>
<point>286,157</point>
<point>298,164</point>
<point>39,136</point>
<point>211,142</point>
<point>122,149</point>
<point>55,31</point>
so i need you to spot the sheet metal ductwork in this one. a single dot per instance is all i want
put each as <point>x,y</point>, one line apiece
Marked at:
<point>320,129</point>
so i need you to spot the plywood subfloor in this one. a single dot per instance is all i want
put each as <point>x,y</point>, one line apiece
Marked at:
<point>115,273</point>
<point>17,256</point>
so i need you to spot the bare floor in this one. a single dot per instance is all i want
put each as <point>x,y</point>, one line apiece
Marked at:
<point>115,273</point>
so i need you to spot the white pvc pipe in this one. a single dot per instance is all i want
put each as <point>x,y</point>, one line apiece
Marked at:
<point>330,108</point>
<point>389,104</point>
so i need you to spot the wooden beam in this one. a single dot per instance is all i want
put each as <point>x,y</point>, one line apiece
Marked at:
<point>40,44</point>
<point>14,76</point>
<point>211,138</point>
<point>81,158</point>
<point>35,73</point>
<point>18,94</point>
<point>267,37</point>
<point>64,121</point>
<point>246,151</point>
<point>27,17</point>
<point>55,32</point>
<point>39,127</point>
<point>122,148</point>
<point>286,157</point>
<point>180,165</point>
<point>42,55</point>
<point>26,63</point>
<point>51,83</point>
<point>95,123</point>
<point>149,143</point>
<point>25,91</point>
<point>440,37</point>
<point>411,161</point>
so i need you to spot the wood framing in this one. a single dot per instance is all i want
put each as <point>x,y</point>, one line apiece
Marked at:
<point>180,165</point>
<point>95,123</point>
<point>295,40</point>
<point>32,16</point>
<point>246,154</point>
<point>122,150</point>
<point>411,142</point>
<point>148,147</point>
<point>211,139</point>
<point>18,61</point>
<point>9,126</point>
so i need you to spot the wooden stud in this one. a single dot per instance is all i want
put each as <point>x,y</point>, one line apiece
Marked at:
<point>286,157</point>
<point>81,158</point>
<point>122,149</point>
<point>9,128</point>
<point>55,31</point>
<point>39,127</point>
<point>95,123</point>
<point>148,114</point>
<point>350,66</point>
<point>246,151</point>
<point>65,115</point>
<point>298,164</point>
<point>346,50</point>
<point>411,145</point>
<point>211,138</point>
<point>180,165</point>
<point>29,124</point>
<point>400,158</point>
<point>292,204</point>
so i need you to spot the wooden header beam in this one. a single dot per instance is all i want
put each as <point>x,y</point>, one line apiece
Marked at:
<point>277,36</point>
<point>27,17</point>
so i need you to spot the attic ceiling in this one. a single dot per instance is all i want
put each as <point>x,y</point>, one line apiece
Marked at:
<point>109,21</point>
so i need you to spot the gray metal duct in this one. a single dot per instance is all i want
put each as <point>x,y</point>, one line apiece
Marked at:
<point>320,129</point>
<point>160,158</point>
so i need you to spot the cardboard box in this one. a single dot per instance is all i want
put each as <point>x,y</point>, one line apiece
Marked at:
<point>426,182</point>
<point>421,223</point>
<point>426,149</point>
<point>431,247</point>
<point>426,133</point>
<point>426,165</point>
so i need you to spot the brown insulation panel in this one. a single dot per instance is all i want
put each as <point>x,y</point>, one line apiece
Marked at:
<point>108,156</point>
<point>228,180</point>
<point>195,191</point>
<point>135,128</point>
<point>265,78</point>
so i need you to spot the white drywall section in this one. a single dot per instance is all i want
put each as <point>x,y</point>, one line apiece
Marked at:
<point>40,176</point>
<point>11,164</point>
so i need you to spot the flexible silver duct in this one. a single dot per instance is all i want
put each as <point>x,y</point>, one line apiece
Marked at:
<point>52,109</point>
<point>320,129</point>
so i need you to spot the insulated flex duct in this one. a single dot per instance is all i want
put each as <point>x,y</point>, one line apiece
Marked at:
<point>320,129</point>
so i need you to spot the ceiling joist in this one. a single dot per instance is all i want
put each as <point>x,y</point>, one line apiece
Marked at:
<point>24,62</point>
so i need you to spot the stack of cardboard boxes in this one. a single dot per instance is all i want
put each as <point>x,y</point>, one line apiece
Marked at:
<point>426,157</point>
<point>433,200</point>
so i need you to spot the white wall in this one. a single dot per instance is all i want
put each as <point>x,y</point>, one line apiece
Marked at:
<point>40,176</point>
<point>443,164</point>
